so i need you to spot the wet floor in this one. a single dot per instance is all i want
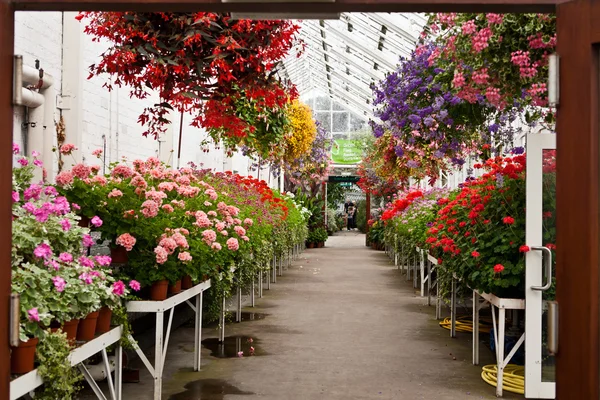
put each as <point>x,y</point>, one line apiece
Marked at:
<point>341,324</point>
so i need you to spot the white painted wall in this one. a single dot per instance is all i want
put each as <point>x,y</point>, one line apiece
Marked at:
<point>95,117</point>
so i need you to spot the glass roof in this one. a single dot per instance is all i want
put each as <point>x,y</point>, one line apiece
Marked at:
<point>344,57</point>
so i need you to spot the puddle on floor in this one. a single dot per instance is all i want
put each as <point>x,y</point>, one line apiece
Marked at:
<point>252,316</point>
<point>207,389</point>
<point>233,347</point>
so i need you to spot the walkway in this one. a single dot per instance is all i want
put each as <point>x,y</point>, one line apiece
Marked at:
<point>342,323</point>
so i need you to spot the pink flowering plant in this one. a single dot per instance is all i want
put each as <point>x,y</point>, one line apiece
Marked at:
<point>56,280</point>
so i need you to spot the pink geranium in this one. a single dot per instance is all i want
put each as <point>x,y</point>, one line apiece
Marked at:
<point>161,254</point>
<point>59,283</point>
<point>184,256</point>
<point>65,257</point>
<point>42,251</point>
<point>67,148</point>
<point>135,285</point>
<point>126,240</point>
<point>232,244</point>
<point>118,288</point>
<point>33,314</point>
<point>96,221</point>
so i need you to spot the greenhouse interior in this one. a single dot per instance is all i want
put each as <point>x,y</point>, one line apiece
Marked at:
<point>285,200</point>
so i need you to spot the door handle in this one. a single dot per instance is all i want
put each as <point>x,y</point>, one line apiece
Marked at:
<point>547,266</point>
<point>552,344</point>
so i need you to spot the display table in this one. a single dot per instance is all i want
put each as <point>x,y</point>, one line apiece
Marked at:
<point>502,304</point>
<point>28,382</point>
<point>161,344</point>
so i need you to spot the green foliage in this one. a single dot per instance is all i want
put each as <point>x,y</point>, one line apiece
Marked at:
<point>61,380</point>
<point>361,215</point>
<point>318,235</point>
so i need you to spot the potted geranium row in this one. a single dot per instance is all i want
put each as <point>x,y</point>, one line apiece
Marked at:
<point>61,289</point>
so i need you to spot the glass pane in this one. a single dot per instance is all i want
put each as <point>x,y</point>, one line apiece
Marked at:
<point>322,103</point>
<point>325,119</point>
<point>340,122</point>
<point>549,235</point>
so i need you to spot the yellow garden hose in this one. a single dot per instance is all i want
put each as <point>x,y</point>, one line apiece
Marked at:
<point>513,379</point>
<point>465,324</point>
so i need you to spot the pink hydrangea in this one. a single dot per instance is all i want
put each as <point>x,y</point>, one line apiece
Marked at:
<point>245,238</point>
<point>183,180</point>
<point>232,244</point>
<point>184,256</point>
<point>33,314</point>
<point>161,254</point>
<point>168,208</point>
<point>67,148</point>
<point>135,285</point>
<point>42,251</point>
<point>118,288</point>
<point>65,257</point>
<point>212,213</point>
<point>224,233</point>
<point>239,230</point>
<point>203,222</point>
<point>209,236</point>
<point>180,240</point>
<point>207,203</point>
<point>248,222</point>
<point>233,210</point>
<point>126,240</point>
<point>96,221</point>
<point>59,283</point>
<point>88,241</point>
<point>216,246</point>
<point>211,193</point>
<point>220,226</point>
<point>115,193</point>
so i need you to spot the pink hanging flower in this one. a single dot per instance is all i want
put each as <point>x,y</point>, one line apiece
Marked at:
<point>232,244</point>
<point>23,162</point>
<point>59,283</point>
<point>118,288</point>
<point>33,314</point>
<point>135,285</point>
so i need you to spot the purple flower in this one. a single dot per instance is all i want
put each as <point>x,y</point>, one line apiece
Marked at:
<point>96,221</point>
<point>428,121</point>
<point>413,164</point>
<point>42,251</point>
<point>518,150</point>
<point>415,119</point>
<point>398,150</point>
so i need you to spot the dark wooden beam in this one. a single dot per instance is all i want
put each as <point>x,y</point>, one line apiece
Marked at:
<point>499,6</point>
<point>577,205</point>
<point>6,129</point>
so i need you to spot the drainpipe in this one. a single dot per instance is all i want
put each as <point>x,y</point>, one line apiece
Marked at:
<point>41,105</point>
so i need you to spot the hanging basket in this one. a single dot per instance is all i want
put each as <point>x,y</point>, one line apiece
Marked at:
<point>22,357</point>
<point>118,254</point>
<point>87,327</point>
<point>103,322</point>
<point>158,290</point>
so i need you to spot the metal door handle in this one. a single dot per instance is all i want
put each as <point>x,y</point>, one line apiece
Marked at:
<point>552,344</point>
<point>547,266</point>
<point>15,316</point>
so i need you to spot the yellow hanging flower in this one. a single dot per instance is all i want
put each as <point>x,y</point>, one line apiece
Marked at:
<point>302,133</point>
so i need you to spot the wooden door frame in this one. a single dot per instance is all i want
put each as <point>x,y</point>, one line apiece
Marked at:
<point>577,159</point>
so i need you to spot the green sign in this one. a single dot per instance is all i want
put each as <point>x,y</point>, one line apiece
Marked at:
<point>343,178</point>
<point>346,151</point>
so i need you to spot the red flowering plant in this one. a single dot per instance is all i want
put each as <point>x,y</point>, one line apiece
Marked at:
<point>202,62</point>
<point>479,231</point>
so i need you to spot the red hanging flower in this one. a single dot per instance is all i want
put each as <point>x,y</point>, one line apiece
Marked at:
<point>475,254</point>
<point>498,268</point>
<point>524,249</point>
<point>508,220</point>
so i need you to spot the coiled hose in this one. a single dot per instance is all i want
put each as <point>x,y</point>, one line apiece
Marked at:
<point>513,379</point>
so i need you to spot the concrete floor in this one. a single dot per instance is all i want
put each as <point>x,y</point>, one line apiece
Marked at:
<point>342,323</point>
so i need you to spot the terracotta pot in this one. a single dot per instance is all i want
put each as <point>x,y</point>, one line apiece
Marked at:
<point>119,255</point>
<point>68,327</point>
<point>87,327</point>
<point>175,288</point>
<point>311,245</point>
<point>158,290</point>
<point>84,222</point>
<point>103,323</point>
<point>186,282</point>
<point>321,245</point>
<point>23,356</point>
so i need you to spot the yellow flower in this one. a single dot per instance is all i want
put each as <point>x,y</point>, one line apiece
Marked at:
<point>303,131</point>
